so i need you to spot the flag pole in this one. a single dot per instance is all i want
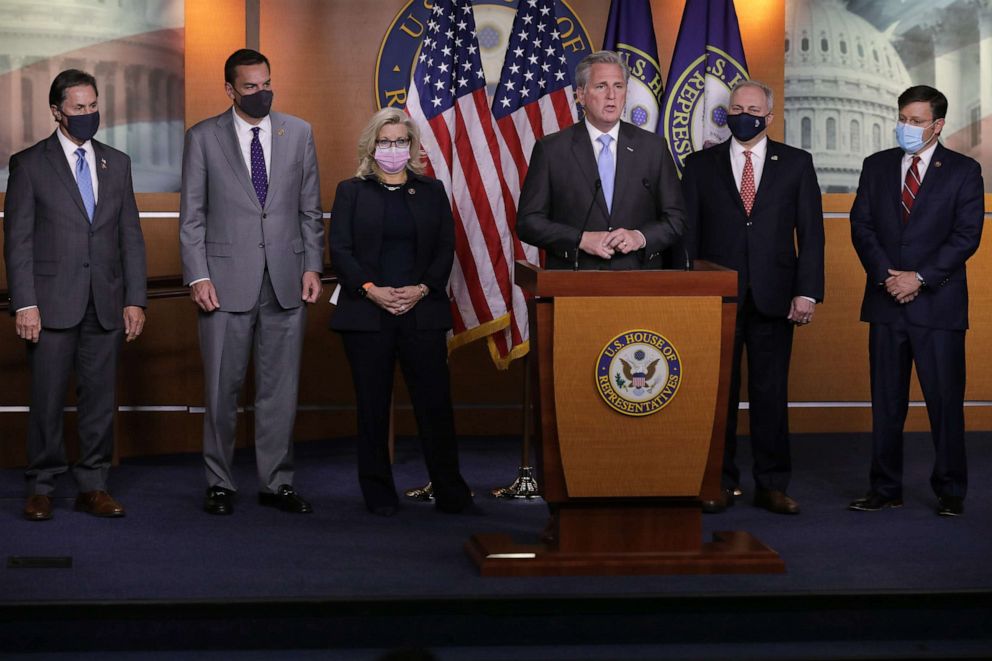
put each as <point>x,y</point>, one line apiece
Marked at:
<point>525,486</point>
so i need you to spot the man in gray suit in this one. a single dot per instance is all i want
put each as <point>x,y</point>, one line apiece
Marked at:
<point>76,273</point>
<point>252,250</point>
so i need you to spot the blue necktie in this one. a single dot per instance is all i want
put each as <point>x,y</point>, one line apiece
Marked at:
<point>607,170</point>
<point>258,177</point>
<point>85,183</point>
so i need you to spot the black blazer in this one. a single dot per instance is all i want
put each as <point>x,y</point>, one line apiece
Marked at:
<point>787,213</point>
<point>558,193</point>
<point>944,230</point>
<point>55,258</point>
<point>356,239</point>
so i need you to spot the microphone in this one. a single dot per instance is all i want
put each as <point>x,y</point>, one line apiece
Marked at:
<point>585,223</point>
<point>686,262</point>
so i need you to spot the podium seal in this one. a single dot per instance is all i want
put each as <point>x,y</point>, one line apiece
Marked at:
<point>638,372</point>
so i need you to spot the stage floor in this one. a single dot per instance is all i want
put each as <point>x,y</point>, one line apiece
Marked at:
<point>341,561</point>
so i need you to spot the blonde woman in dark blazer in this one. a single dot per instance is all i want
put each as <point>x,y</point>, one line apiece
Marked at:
<point>392,243</point>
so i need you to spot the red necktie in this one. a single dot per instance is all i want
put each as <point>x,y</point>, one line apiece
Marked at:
<point>910,188</point>
<point>747,184</point>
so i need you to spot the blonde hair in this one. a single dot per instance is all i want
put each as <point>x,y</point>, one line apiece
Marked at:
<point>366,141</point>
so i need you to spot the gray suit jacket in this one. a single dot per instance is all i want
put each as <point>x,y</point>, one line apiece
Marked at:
<point>225,235</point>
<point>558,193</point>
<point>55,257</point>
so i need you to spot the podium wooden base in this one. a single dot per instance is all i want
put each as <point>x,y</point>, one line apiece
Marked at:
<point>728,553</point>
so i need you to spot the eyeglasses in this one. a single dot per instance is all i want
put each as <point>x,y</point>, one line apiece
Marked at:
<point>399,142</point>
<point>920,123</point>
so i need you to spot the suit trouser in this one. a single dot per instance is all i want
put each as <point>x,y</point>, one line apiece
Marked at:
<point>769,348</point>
<point>940,365</point>
<point>226,342</point>
<point>423,358</point>
<point>94,352</point>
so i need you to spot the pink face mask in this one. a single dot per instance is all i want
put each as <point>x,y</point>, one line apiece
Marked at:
<point>392,160</point>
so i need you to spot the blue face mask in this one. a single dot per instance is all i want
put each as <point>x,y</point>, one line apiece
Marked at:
<point>911,137</point>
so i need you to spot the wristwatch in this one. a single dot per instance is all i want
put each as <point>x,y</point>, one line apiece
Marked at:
<point>363,291</point>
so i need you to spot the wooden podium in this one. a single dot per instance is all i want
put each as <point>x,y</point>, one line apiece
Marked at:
<point>632,371</point>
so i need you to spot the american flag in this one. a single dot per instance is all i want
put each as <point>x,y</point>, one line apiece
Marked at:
<point>447,99</point>
<point>534,98</point>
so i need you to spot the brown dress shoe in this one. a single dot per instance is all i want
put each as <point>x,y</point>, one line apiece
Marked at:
<point>38,508</point>
<point>775,501</point>
<point>98,503</point>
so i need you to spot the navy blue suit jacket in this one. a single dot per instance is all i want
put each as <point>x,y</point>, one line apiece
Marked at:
<point>787,214</point>
<point>944,230</point>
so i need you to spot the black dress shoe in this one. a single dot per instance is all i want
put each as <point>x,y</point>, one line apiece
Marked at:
<point>874,502</point>
<point>219,501</point>
<point>950,506</point>
<point>286,499</point>
<point>725,500</point>
<point>775,501</point>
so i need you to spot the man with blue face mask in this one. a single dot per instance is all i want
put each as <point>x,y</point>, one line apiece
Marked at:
<point>754,206</point>
<point>916,220</point>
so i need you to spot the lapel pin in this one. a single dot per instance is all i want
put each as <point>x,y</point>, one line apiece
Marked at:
<point>630,149</point>
<point>411,191</point>
<point>281,132</point>
<point>774,157</point>
<point>103,164</point>
<point>936,164</point>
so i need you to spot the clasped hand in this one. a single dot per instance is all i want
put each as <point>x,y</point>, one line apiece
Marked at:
<point>903,286</point>
<point>395,300</point>
<point>607,244</point>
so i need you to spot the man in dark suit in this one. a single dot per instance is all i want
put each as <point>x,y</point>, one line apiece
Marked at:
<point>251,239</point>
<point>751,202</point>
<point>916,220</point>
<point>76,272</point>
<point>601,194</point>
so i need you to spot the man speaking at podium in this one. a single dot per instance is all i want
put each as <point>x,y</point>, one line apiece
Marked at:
<point>601,194</point>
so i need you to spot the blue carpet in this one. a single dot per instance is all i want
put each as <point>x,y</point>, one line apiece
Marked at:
<point>167,549</point>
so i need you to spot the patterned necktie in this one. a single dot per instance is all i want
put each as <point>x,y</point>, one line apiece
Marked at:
<point>258,177</point>
<point>747,184</point>
<point>607,170</point>
<point>85,182</point>
<point>910,188</point>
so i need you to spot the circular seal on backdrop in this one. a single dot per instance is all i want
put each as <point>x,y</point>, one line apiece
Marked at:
<point>638,372</point>
<point>493,23</point>
<point>645,88</point>
<point>695,113</point>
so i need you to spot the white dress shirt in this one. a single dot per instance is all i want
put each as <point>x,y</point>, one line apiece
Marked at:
<point>907,162</point>
<point>597,146</point>
<point>737,160</point>
<point>70,147</point>
<point>244,132</point>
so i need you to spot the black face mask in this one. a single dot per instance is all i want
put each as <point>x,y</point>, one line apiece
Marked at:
<point>83,127</point>
<point>256,105</point>
<point>745,126</point>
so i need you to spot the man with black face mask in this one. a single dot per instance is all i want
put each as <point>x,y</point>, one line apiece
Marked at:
<point>76,273</point>
<point>751,202</point>
<point>252,250</point>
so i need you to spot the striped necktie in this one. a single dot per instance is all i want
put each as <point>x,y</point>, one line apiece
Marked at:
<point>910,189</point>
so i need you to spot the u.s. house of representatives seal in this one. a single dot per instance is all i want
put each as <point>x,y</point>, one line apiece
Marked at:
<point>638,372</point>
